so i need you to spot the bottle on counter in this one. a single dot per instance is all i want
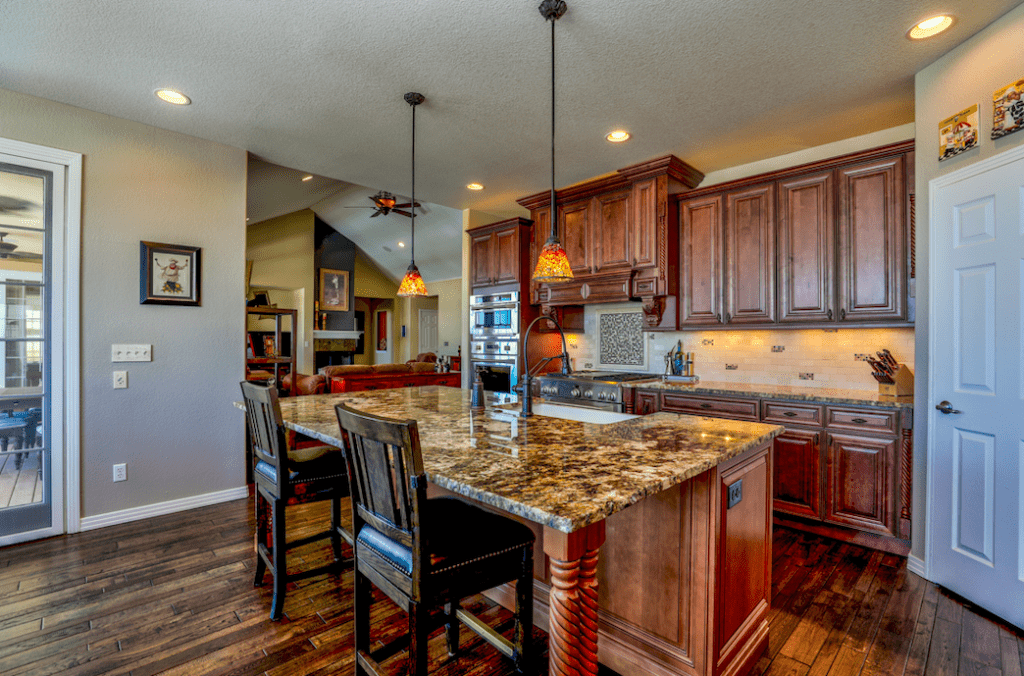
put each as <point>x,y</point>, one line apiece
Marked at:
<point>679,360</point>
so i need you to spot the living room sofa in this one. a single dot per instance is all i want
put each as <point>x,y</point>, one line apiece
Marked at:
<point>359,378</point>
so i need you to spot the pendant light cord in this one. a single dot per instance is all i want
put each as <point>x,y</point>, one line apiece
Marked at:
<point>554,212</point>
<point>412,227</point>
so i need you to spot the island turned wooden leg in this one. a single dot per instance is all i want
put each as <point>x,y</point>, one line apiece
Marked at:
<point>572,637</point>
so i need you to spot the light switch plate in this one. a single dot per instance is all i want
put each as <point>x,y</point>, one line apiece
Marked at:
<point>120,352</point>
<point>120,380</point>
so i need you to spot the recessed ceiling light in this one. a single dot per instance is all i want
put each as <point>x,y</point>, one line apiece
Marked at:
<point>930,27</point>
<point>308,178</point>
<point>618,136</point>
<point>401,244</point>
<point>171,96</point>
<point>475,186</point>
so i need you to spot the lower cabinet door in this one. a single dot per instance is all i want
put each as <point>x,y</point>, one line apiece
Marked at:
<point>797,477</point>
<point>646,403</point>
<point>859,482</point>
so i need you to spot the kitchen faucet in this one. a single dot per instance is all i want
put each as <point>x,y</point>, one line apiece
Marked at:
<point>566,366</point>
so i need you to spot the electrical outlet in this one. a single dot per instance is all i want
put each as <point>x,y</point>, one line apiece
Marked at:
<point>735,494</point>
<point>862,357</point>
<point>120,380</point>
<point>120,472</point>
<point>708,342</point>
<point>732,367</point>
<point>805,376</point>
<point>778,348</point>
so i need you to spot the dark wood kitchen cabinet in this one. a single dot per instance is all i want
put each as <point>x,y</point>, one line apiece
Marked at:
<point>500,253</point>
<point>749,280</point>
<point>806,248</point>
<point>612,238</point>
<point>823,244</point>
<point>840,471</point>
<point>872,240</point>
<point>700,257</point>
<point>621,239</point>
<point>797,479</point>
<point>859,482</point>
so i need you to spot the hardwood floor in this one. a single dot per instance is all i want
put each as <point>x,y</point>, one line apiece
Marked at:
<point>174,595</point>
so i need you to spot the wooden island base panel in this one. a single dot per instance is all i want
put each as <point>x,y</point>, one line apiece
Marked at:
<point>646,567</point>
<point>684,580</point>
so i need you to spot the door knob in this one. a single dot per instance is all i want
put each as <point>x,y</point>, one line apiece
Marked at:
<point>946,407</point>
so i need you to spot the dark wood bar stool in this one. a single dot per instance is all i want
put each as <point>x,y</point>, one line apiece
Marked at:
<point>289,476</point>
<point>422,553</point>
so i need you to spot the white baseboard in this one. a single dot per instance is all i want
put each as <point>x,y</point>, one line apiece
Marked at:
<point>916,565</point>
<point>161,508</point>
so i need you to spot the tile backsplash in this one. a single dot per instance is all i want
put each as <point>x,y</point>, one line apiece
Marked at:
<point>803,357</point>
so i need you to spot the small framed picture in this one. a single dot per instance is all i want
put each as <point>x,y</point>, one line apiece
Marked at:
<point>1008,109</point>
<point>269,348</point>
<point>169,274</point>
<point>959,133</point>
<point>334,290</point>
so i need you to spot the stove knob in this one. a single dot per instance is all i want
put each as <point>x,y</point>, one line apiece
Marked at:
<point>602,395</point>
<point>589,394</point>
<point>575,392</point>
<point>612,396</point>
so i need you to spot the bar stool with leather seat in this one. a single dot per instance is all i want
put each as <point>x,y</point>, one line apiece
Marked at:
<point>425,554</point>
<point>286,475</point>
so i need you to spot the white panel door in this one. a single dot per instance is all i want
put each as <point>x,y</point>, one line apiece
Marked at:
<point>976,442</point>
<point>428,331</point>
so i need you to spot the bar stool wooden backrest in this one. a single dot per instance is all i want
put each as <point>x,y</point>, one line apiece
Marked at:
<point>269,436</point>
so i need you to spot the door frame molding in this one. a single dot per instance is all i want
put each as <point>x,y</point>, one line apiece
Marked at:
<point>934,185</point>
<point>70,280</point>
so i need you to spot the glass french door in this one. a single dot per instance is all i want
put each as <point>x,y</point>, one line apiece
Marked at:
<point>30,477</point>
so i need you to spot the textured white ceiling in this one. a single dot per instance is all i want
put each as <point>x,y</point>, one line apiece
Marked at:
<point>318,85</point>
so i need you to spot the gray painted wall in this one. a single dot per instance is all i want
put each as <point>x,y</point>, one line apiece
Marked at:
<point>967,75</point>
<point>175,425</point>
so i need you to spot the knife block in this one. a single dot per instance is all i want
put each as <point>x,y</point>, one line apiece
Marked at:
<point>902,386</point>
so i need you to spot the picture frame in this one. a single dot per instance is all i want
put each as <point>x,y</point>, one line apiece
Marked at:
<point>959,133</point>
<point>169,274</point>
<point>1008,109</point>
<point>334,290</point>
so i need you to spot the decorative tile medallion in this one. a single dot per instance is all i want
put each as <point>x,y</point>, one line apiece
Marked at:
<point>622,339</point>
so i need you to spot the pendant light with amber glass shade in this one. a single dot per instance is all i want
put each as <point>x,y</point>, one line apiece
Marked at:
<point>552,263</point>
<point>412,284</point>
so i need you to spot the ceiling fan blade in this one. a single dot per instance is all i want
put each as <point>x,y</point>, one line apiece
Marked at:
<point>362,207</point>
<point>375,214</point>
<point>408,204</point>
<point>399,211</point>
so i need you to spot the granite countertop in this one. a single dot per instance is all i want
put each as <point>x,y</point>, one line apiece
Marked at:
<point>824,395</point>
<point>555,472</point>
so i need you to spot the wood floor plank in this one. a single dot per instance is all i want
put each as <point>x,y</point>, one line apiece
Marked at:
<point>944,655</point>
<point>174,595</point>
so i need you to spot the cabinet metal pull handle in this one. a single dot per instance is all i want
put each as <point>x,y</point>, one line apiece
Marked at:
<point>842,313</point>
<point>859,421</point>
<point>705,405</point>
<point>830,314</point>
<point>634,261</point>
<point>719,317</point>
<point>815,439</point>
<point>789,414</point>
<point>728,317</point>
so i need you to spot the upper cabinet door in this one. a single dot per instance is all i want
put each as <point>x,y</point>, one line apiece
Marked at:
<point>700,244</point>
<point>872,234</point>
<point>483,263</point>
<point>575,221</point>
<point>611,232</point>
<point>506,255</point>
<point>806,239</point>
<point>750,256</point>
<point>645,223</point>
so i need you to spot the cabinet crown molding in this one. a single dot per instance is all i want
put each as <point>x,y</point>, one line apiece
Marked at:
<point>667,165</point>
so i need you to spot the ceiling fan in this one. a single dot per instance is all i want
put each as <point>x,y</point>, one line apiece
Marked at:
<point>7,250</point>
<point>384,204</point>
<point>10,205</point>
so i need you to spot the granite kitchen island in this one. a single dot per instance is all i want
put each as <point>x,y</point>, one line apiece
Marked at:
<point>679,508</point>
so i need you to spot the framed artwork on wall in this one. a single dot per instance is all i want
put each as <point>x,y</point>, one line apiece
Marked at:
<point>1008,109</point>
<point>169,274</point>
<point>959,133</point>
<point>334,290</point>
